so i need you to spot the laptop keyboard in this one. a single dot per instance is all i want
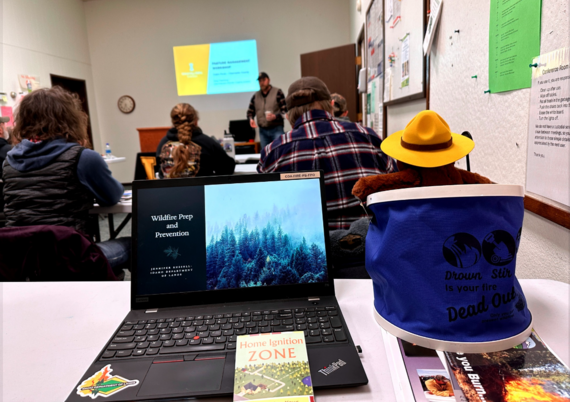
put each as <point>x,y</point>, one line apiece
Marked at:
<point>219,332</point>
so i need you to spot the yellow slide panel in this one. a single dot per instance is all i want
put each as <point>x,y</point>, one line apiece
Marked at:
<point>191,64</point>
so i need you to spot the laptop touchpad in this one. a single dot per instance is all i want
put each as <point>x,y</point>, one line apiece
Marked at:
<point>187,378</point>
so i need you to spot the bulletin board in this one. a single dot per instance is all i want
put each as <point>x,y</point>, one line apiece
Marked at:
<point>374,38</point>
<point>499,123</point>
<point>404,28</point>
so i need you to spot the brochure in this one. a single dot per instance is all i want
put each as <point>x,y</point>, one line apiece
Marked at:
<point>273,367</point>
<point>528,372</point>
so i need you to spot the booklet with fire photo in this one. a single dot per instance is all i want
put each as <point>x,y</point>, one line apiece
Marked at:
<point>273,367</point>
<point>528,372</point>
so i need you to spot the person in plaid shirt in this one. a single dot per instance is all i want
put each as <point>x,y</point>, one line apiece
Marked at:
<point>344,151</point>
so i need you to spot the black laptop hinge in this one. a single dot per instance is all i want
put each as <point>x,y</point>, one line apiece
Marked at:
<point>151,311</point>
<point>314,299</point>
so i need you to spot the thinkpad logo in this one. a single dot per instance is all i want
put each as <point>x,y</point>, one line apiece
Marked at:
<point>334,366</point>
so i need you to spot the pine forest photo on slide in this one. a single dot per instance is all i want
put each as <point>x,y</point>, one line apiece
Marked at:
<point>261,234</point>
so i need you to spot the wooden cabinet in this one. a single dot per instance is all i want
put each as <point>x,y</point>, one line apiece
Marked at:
<point>149,137</point>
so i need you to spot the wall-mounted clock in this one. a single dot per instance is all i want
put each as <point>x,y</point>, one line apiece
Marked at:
<point>126,104</point>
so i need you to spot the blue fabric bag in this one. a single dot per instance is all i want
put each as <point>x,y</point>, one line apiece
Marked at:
<point>442,260</point>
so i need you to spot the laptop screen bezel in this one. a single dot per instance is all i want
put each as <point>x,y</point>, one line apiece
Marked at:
<point>196,298</point>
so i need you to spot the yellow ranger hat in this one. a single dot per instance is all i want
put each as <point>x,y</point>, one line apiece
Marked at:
<point>427,142</point>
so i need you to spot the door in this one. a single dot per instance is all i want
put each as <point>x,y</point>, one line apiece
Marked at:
<point>77,87</point>
<point>337,68</point>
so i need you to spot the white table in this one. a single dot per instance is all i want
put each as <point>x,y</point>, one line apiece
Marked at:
<point>52,332</point>
<point>116,159</point>
<point>122,207</point>
<point>245,168</point>
<point>242,158</point>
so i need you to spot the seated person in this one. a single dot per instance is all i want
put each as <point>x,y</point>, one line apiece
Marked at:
<point>344,151</point>
<point>4,148</point>
<point>50,177</point>
<point>340,107</point>
<point>186,151</point>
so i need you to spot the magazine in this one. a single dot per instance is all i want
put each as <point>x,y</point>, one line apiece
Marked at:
<point>526,373</point>
<point>273,367</point>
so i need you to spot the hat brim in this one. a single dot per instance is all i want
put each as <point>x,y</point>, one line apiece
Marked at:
<point>4,119</point>
<point>460,147</point>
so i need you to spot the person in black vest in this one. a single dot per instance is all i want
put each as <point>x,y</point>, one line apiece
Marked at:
<point>185,151</point>
<point>4,148</point>
<point>268,106</point>
<point>4,145</point>
<point>51,177</point>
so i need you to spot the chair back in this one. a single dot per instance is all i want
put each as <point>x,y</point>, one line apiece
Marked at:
<point>145,166</point>
<point>50,253</point>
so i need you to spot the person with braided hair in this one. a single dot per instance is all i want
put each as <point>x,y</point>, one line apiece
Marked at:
<point>186,151</point>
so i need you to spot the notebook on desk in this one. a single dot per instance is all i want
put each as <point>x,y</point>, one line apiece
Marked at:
<point>215,258</point>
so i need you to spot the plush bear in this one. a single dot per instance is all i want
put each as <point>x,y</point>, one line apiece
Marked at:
<point>426,152</point>
<point>415,176</point>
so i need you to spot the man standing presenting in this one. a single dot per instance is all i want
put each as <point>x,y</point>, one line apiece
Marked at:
<point>268,105</point>
<point>344,151</point>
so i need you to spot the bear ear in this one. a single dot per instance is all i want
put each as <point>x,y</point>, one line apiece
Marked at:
<point>384,182</point>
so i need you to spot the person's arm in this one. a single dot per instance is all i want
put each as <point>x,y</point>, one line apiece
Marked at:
<point>251,109</point>
<point>94,174</point>
<point>251,112</point>
<point>282,103</point>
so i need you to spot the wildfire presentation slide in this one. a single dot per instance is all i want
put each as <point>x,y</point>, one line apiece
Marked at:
<point>216,68</point>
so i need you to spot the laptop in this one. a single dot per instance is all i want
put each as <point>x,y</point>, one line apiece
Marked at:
<point>241,130</point>
<point>215,258</point>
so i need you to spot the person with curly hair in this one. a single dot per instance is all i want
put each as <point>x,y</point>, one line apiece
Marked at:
<point>186,151</point>
<point>51,176</point>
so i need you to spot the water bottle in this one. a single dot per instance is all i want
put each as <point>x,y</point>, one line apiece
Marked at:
<point>108,154</point>
<point>228,144</point>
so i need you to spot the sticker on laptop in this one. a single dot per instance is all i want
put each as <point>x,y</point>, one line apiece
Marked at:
<point>103,384</point>
<point>302,175</point>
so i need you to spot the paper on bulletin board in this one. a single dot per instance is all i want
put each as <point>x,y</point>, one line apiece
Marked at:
<point>514,39</point>
<point>405,59</point>
<point>388,85</point>
<point>375,41</point>
<point>375,105</point>
<point>389,10</point>
<point>548,159</point>
<point>396,12</point>
<point>435,12</point>
<point>29,82</point>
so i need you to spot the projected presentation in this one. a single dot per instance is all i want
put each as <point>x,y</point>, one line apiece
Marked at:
<point>216,68</point>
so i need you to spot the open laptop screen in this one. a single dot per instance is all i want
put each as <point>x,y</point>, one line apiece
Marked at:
<point>230,236</point>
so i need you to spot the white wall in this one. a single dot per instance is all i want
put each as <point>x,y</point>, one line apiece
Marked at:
<point>47,37</point>
<point>131,51</point>
<point>357,18</point>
